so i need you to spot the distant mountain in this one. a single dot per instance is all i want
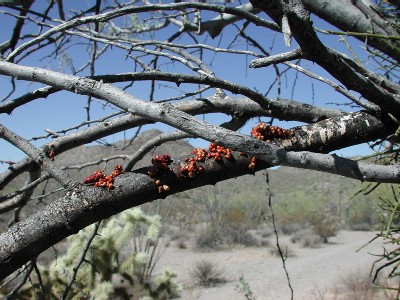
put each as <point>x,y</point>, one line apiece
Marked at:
<point>84,154</point>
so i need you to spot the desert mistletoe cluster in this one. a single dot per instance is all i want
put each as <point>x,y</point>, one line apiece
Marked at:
<point>267,133</point>
<point>218,152</point>
<point>52,152</point>
<point>99,179</point>
<point>160,163</point>
<point>192,166</point>
<point>252,163</point>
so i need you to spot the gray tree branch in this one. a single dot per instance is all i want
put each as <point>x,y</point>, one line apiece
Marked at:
<point>162,112</point>
<point>39,157</point>
<point>86,205</point>
<point>286,109</point>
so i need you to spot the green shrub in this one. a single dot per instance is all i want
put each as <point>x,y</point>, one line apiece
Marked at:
<point>241,236</point>
<point>361,212</point>
<point>358,286</point>
<point>293,211</point>
<point>227,221</point>
<point>307,238</point>
<point>286,250</point>
<point>244,288</point>
<point>209,238</point>
<point>324,225</point>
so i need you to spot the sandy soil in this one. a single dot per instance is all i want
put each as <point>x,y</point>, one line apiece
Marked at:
<point>313,272</point>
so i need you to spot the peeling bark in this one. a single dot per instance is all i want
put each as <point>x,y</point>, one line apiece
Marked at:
<point>338,132</point>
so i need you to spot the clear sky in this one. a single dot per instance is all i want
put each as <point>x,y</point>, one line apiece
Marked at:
<point>65,109</point>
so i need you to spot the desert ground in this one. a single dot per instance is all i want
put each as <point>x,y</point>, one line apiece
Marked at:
<point>315,273</point>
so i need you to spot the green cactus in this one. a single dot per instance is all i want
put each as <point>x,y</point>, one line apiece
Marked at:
<point>118,261</point>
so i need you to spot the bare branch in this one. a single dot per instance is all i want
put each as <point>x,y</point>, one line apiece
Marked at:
<point>278,245</point>
<point>132,9</point>
<point>21,197</point>
<point>313,49</point>
<point>285,109</point>
<point>38,156</point>
<point>234,124</point>
<point>276,59</point>
<point>348,17</point>
<point>368,79</point>
<point>81,260</point>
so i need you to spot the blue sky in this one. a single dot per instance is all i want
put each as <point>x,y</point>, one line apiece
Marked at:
<point>65,109</point>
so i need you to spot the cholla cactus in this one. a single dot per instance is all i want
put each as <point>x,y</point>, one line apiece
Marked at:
<point>107,257</point>
<point>102,291</point>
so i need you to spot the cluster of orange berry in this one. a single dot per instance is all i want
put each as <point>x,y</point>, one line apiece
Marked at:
<point>160,162</point>
<point>216,152</point>
<point>200,154</point>
<point>51,153</point>
<point>192,165</point>
<point>190,168</point>
<point>267,133</point>
<point>252,163</point>
<point>161,187</point>
<point>99,179</point>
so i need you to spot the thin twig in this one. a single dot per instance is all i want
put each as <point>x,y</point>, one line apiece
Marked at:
<point>29,269</point>
<point>40,281</point>
<point>283,256</point>
<point>81,260</point>
<point>359,34</point>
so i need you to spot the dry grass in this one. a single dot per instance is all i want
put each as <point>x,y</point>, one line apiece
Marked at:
<point>358,286</point>
<point>286,250</point>
<point>207,273</point>
<point>307,238</point>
